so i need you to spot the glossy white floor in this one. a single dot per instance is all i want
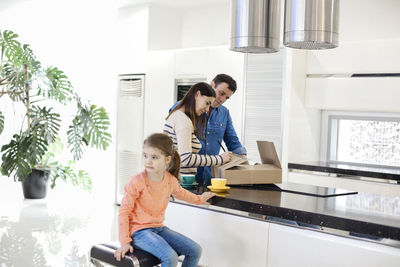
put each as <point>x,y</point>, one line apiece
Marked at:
<point>56,231</point>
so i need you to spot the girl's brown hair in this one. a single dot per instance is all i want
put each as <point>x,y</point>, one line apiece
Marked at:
<point>188,101</point>
<point>165,144</point>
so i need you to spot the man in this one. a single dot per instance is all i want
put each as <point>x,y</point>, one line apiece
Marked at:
<point>219,126</point>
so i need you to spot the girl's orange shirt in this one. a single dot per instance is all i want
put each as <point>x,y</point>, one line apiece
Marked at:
<point>144,203</point>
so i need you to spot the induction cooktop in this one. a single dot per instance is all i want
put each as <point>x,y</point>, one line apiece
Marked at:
<point>303,189</point>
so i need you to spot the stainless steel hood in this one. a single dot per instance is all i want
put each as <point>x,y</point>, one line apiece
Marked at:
<point>255,26</point>
<point>311,24</point>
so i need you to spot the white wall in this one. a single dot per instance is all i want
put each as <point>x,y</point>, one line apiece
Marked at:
<point>132,39</point>
<point>165,27</point>
<point>167,42</point>
<point>207,26</point>
<point>369,38</point>
<point>368,41</point>
<point>362,20</point>
<point>302,125</point>
<point>79,38</point>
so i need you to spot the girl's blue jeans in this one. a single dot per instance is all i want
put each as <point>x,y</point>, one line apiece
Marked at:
<point>167,245</point>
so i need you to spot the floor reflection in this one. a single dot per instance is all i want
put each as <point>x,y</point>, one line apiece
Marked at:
<point>44,234</point>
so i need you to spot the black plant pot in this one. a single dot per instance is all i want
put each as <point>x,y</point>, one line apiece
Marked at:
<point>35,185</point>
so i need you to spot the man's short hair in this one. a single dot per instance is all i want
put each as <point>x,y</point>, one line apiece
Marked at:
<point>223,78</point>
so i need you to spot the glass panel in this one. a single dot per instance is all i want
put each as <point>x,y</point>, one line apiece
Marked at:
<point>182,90</point>
<point>369,141</point>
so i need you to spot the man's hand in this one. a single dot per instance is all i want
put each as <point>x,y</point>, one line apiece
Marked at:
<point>226,156</point>
<point>120,253</point>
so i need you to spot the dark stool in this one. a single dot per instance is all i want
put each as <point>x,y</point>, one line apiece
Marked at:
<point>104,254</point>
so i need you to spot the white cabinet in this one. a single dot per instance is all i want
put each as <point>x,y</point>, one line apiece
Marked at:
<point>227,240</point>
<point>290,246</point>
<point>191,63</point>
<point>159,89</point>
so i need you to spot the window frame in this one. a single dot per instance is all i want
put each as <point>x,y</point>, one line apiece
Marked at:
<point>330,130</point>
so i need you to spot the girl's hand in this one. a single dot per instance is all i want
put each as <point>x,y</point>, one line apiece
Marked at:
<point>206,196</point>
<point>226,156</point>
<point>120,253</point>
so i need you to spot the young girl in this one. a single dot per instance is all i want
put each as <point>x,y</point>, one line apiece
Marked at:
<point>141,214</point>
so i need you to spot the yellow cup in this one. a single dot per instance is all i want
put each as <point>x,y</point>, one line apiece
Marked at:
<point>218,182</point>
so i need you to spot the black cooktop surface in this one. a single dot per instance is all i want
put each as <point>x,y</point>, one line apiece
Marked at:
<point>392,173</point>
<point>303,189</point>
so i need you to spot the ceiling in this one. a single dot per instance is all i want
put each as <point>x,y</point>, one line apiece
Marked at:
<point>171,3</point>
<point>7,3</point>
<point>120,3</point>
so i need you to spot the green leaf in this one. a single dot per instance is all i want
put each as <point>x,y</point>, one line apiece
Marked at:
<point>14,76</point>
<point>10,47</point>
<point>29,56</point>
<point>55,173</point>
<point>89,127</point>
<point>1,122</point>
<point>69,173</point>
<point>97,123</point>
<point>16,158</point>
<point>84,180</point>
<point>37,147</point>
<point>66,173</point>
<point>45,123</point>
<point>54,149</point>
<point>60,88</point>
<point>75,138</point>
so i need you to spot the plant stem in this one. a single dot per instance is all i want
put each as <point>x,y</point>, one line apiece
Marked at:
<point>27,94</point>
<point>10,93</point>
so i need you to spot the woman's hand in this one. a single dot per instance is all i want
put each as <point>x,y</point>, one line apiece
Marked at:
<point>120,253</point>
<point>226,156</point>
<point>206,196</point>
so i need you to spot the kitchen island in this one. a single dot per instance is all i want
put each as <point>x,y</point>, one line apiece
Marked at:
<point>259,226</point>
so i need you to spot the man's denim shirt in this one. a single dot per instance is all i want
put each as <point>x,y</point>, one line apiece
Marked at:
<point>219,127</point>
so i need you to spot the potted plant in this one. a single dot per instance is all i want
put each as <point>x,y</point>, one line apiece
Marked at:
<point>42,91</point>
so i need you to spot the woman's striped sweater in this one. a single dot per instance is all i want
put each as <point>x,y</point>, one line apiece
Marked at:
<point>180,129</point>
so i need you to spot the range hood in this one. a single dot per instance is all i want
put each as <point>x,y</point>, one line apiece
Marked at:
<point>255,26</point>
<point>311,24</point>
<point>308,24</point>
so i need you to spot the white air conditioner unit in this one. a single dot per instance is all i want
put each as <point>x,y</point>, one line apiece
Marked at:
<point>130,124</point>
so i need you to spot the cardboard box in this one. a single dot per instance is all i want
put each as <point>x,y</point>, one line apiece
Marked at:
<point>237,171</point>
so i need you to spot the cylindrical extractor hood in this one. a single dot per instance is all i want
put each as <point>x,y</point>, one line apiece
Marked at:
<point>255,26</point>
<point>311,24</point>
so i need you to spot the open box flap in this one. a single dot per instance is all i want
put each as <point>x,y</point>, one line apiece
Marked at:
<point>236,160</point>
<point>268,153</point>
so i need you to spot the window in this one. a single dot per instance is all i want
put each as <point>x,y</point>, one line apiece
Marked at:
<point>360,138</point>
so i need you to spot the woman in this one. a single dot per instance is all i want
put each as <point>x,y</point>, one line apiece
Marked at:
<point>181,127</point>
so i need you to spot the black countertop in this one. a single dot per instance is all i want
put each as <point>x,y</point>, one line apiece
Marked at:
<point>391,173</point>
<point>361,215</point>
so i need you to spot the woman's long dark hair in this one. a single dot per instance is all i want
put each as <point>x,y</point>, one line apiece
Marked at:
<point>188,101</point>
<point>164,143</point>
